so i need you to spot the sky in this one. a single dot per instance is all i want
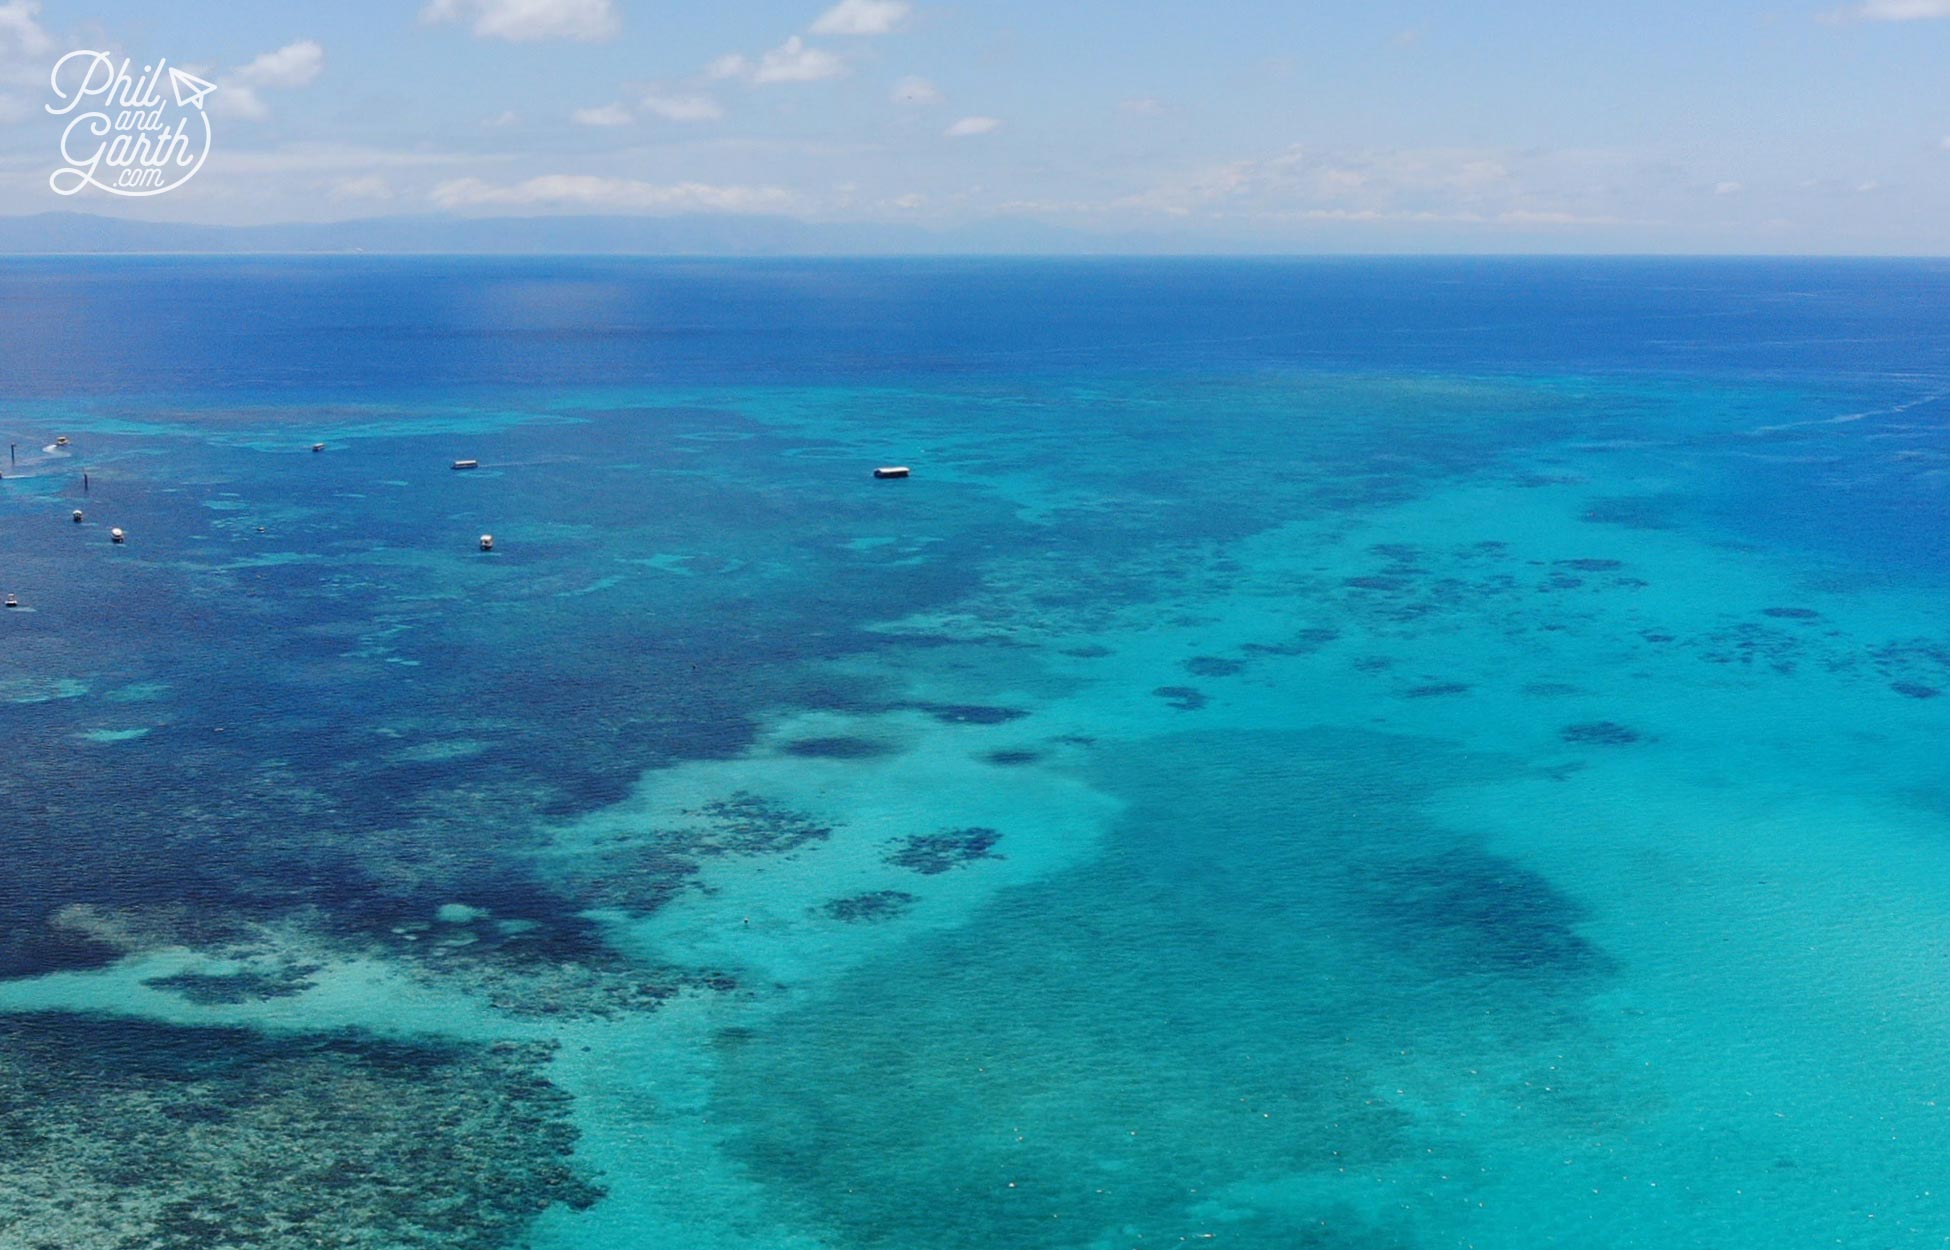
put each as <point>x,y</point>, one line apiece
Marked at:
<point>1678,126</point>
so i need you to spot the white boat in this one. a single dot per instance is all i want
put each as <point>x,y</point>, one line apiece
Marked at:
<point>467,464</point>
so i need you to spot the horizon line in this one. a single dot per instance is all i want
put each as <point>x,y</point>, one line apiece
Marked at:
<point>555,254</point>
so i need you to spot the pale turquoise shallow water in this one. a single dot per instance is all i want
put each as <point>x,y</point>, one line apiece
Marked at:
<point>1388,756</point>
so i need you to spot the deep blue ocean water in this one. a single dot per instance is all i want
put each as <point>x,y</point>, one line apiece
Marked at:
<point>1344,754</point>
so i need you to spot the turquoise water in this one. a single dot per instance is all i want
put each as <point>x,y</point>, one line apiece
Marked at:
<point>1355,754</point>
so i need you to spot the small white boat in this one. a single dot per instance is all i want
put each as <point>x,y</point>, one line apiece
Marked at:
<point>892,470</point>
<point>318,447</point>
<point>61,441</point>
<point>77,516</point>
<point>487,542</point>
<point>467,464</point>
<point>12,602</point>
<point>116,535</point>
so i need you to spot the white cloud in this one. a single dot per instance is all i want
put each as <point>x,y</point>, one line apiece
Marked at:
<point>1531,217</point>
<point>1894,11</point>
<point>791,61</point>
<point>584,191</point>
<point>318,159</point>
<point>239,101</point>
<point>524,21</point>
<point>1143,106</point>
<point>683,108</point>
<point>1728,188</point>
<point>913,90</point>
<point>910,201</point>
<point>862,17</point>
<point>1460,185</point>
<point>1180,196</point>
<point>294,65</point>
<point>1946,143</point>
<point>13,109</point>
<point>20,33</point>
<point>1370,216</point>
<point>607,115</point>
<point>973,126</point>
<point>370,187</point>
<point>506,117</point>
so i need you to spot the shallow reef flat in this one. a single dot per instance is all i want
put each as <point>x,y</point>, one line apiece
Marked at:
<point>123,1135</point>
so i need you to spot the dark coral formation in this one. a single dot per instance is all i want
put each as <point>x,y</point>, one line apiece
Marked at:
<point>1600,733</point>
<point>580,991</point>
<point>1184,698</point>
<point>638,876</point>
<point>933,853</point>
<point>746,824</point>
<point>1748,644</point>
<point>1212,666</point>
<point>972,713</point>
<point>1436,690</point>
<point>1418,586</point>
<point>1013,758</point>
<point>1915,661</point>
<point>1914,690</point>
<point>1471,913</point>
<point>1792,614</point>
<point>839,747</point>
<point>641,872</point>
<point>1639,512</point>
<point>1303,642</point>
<point>243,986</point>
<point>871,907</point>
<point>137,1136</point>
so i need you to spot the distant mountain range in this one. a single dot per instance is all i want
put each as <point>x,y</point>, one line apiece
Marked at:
<point>699,235</point>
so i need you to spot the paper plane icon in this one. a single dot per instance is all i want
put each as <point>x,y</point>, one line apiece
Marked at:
<point>189,88</point>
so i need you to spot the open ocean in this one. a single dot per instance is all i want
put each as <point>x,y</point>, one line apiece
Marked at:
<point>1320,755</point>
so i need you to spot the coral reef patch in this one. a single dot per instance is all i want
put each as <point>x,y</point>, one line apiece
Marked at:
<point>841,747</point>
<point>137,1136</point>
<point>874,906</point>
<point>640,872</point>
<point>932,853</point>
<point>1600,733</point>
<point>242,986</point>
<point>972,713</point>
